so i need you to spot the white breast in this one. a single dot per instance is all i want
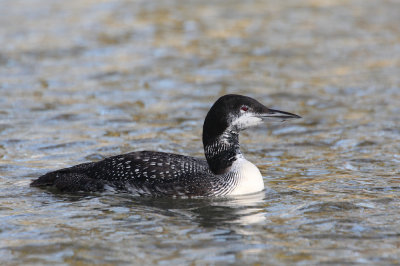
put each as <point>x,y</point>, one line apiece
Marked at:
<point>249,179</point>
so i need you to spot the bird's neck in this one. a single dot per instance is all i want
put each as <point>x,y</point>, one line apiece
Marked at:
<point>221,151</point>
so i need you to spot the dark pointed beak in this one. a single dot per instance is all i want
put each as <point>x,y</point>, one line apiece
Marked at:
<point>271,113</point>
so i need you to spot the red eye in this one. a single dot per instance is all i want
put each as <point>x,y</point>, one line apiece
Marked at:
<point>244,108</point>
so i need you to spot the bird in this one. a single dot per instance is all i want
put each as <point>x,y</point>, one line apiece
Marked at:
<point>223,172</point>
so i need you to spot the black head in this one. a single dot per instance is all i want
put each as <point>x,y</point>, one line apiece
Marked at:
<point>235,113</point>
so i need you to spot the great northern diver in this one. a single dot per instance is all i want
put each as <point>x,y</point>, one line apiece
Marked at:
<point>224,172</point>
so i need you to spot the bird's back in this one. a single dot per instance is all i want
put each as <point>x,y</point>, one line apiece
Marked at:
<point>145,172</point>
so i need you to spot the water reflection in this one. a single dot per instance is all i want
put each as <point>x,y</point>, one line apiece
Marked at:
<point>206,212</point>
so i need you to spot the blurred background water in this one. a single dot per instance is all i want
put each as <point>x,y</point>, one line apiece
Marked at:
<point>82,80</point>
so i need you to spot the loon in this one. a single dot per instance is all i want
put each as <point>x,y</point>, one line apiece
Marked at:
<point>225,171</point>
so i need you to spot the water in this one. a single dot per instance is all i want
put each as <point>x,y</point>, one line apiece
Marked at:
<point>82,80</point>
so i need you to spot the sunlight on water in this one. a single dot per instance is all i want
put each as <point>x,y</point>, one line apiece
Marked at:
<point>83,80</point>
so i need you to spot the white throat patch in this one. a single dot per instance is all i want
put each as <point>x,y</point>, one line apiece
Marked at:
<point>246,120</point>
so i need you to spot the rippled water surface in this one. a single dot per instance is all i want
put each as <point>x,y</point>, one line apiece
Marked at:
<point>82,80</point>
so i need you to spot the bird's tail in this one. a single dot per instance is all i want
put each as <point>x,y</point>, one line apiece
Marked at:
<point>45,180</point>
<point>70,179</point>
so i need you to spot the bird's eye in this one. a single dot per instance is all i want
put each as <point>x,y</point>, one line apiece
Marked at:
<point>244,108</point>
